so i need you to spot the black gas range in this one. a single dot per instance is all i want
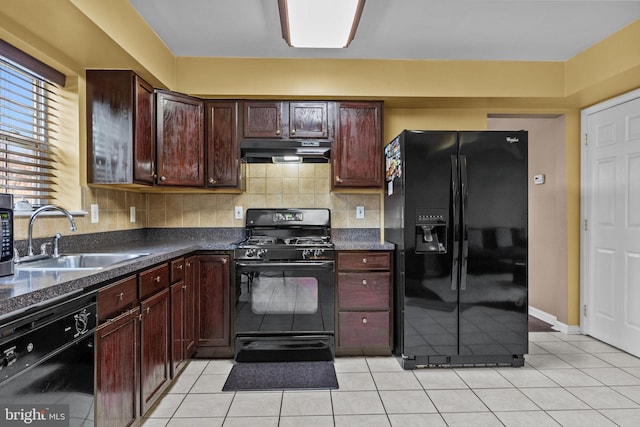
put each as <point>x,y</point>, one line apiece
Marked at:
<point>285,286</point>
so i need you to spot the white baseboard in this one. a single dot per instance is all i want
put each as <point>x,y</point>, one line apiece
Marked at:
<point>553,321</point>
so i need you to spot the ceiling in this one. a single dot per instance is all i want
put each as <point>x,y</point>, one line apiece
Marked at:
<point>517,30</point>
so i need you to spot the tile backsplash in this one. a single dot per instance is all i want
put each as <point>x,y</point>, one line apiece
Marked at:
<point>268,185</point>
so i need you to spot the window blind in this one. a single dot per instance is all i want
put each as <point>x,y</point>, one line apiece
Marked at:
<point>29,117</point>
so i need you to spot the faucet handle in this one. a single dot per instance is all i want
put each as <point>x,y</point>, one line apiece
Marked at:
<point>43,248</point>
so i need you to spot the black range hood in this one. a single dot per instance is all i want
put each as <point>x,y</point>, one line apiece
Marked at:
<point>289,151</point>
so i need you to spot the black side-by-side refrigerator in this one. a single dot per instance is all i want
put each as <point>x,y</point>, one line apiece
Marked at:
<point>456,209</point>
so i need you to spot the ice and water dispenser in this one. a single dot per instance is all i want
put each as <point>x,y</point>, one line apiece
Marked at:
<point>431,230</point>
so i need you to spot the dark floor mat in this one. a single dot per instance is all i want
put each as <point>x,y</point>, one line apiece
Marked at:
<point>537,325</point>
<point>281,376</point>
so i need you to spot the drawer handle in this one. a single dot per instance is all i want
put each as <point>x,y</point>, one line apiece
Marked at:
<point>163,178</point>
<point>179,267</point>
<point>148,310</point>
<point>184,287</point>
<point>224,260</point>
<point>338,179</point>
<point>188,265</point>
<point>293,131</point>
<point>364,282</point>
<point>364,320</point>
<point>212,181</point>
<point>157,279</point>
<point>365,260</point>
<point>120,296</point>
<point>277,131</point>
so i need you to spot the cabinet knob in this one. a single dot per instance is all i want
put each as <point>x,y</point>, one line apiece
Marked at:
<point>365,260</point>
<point>364,282</point>
<point>188,265</point>
<point>364,320</point>
<point>338,179</point>
<point>293,131</point>
<point>184,287</point>
<point>224,260</point>
<point>277,131</point>
<point>212,181</point>
<point>149,309</point>
<point>121,296</point>
<point>179,267</point>
<point>163,178</point>
<point>157,279</point>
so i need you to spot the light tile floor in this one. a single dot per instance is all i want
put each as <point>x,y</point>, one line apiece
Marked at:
<point>568,380</point>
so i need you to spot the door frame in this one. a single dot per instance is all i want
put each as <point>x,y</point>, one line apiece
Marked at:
<point>585,327</point>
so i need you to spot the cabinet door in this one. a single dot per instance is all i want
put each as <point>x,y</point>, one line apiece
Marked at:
<point>154,348</point>
<point>308,120</point>
<point>212,281</point>
<point>357,151</point>
<point>117,377</point>
<point>190,307</point>
<point>109,127</point>
<point>177,327</point>
<point>180,139</point>
<point>144,136</point>
<point>265,119</point>
<point>222,144</point>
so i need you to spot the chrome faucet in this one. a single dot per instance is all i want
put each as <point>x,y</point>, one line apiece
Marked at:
<point>36,213</point>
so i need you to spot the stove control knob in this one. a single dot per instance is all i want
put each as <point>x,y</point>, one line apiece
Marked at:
<point>318,252</point>
<point>261,253</point>
<point>306,253</point>
<point>250,253</point>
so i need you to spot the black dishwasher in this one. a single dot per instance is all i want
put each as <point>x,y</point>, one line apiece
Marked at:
<point>47,365</point>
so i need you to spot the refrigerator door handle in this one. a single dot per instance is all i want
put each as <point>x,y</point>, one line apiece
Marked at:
<point>455,259</point>
<point>463,222</point>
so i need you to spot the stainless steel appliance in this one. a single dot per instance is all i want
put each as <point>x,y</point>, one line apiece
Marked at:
<point>47,362</point>
<point>6,222</point>
<point>456,209</point>
<point>285,286</point>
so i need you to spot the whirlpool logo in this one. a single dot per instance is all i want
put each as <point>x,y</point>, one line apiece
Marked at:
<point>513,139</point>
<point>44,416</point>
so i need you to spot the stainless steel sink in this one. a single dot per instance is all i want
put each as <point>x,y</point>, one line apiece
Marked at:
<point>77,262</point>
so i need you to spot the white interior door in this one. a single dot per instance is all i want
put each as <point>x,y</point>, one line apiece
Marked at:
<point>610,263</point>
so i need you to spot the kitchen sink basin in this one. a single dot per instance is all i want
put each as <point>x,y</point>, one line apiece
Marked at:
<point>77,262</point>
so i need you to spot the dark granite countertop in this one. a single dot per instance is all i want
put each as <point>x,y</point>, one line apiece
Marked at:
<point>29,290</point>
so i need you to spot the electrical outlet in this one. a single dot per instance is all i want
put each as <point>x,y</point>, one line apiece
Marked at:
<point>95,213</point>
<point>132,214</point>
<point>238,212</point>
<point>359,212</point>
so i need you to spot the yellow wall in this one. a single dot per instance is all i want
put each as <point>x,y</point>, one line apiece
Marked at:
<point>73,35</point>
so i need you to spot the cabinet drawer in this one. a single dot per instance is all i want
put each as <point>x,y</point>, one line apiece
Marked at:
<point>153,280</point>
<point>364,261</point>
<point>117,298</point>
<point>364,329</point>
<point>364,290</point>
<point>177,270</point>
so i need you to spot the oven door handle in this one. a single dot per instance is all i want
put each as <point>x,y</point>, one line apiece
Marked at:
<point>324,265</point>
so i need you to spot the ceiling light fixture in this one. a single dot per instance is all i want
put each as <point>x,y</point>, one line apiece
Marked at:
<point>319,23</point>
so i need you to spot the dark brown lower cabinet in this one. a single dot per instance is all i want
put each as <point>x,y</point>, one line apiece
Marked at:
<point>182,324</point>
<point>117,391</point>
<point>365,301</point>
<point>213,317</point>
<point>154,348</point>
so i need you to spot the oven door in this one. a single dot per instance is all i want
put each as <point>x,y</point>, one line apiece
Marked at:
<point>284,311</point>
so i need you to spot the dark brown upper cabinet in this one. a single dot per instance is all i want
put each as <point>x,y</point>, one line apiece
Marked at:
<point>223,155</point>
<point>120,128</point>
<point>287,119</point>
<point>356,154</point>
<point>179,139</point>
